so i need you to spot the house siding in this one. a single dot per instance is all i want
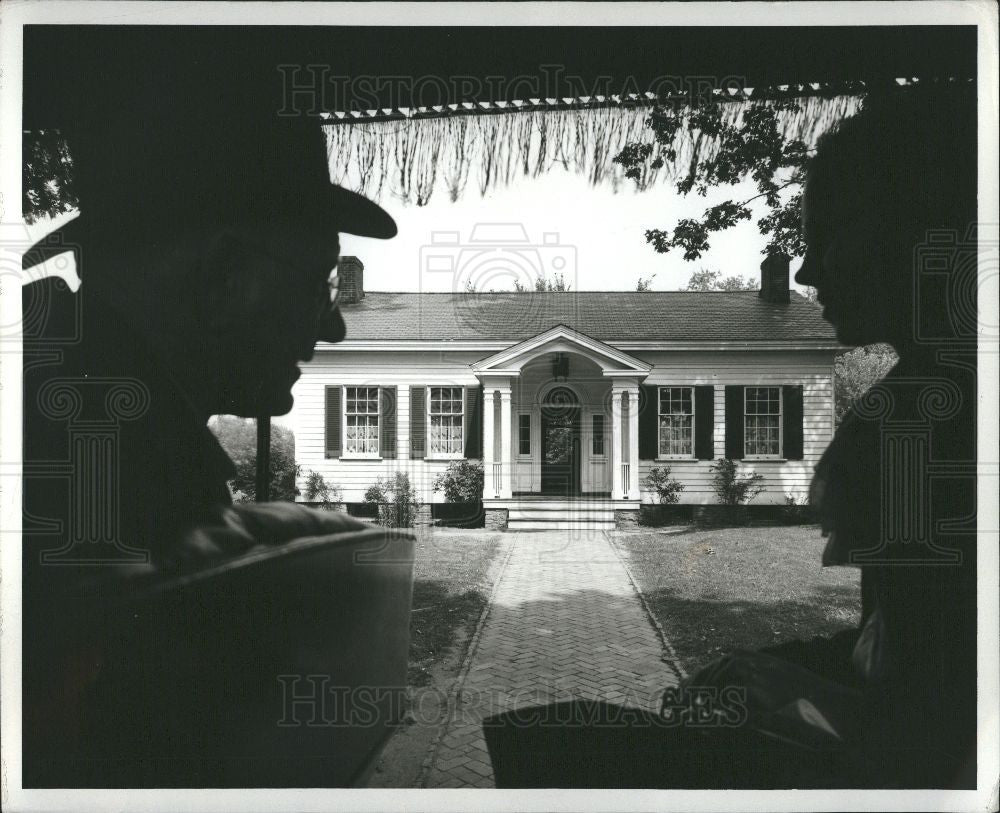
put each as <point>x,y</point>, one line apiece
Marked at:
<point>781,478</point>
<point>811,369</point>
<point>307,418</point>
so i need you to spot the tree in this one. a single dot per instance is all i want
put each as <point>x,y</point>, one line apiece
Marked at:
<point>544,285</point>
<point>541,284</point>
<point>705,280</point>
<point>644,284</point>
<point>47,176</point>
<point>753,148</point>
<point>238,436</point>
<point>856,371</point>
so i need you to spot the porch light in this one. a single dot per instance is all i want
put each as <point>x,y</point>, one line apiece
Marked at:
<point>560,367</point>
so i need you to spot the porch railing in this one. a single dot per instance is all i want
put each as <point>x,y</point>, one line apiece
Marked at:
<point>626,485</point>
<point>497,478</point>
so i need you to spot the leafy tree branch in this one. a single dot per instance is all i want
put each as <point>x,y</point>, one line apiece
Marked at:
<point>752,148</point>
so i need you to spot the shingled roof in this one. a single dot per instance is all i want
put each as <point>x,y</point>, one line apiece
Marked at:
<point>682,316</point>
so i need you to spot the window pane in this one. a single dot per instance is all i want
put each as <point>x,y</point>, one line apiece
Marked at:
<point>361,424</point>
<point>524,434</point>
<point>762,424</point>
<point>676,421</point>
<point>445,410</point>
<point>597,445</point>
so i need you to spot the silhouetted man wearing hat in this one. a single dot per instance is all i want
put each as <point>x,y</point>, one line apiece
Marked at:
<point>207,245</point>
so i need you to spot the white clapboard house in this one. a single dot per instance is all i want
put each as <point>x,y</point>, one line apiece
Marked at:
<point>569,398</point>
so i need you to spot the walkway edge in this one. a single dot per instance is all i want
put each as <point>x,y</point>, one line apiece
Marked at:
<point>670,655</point>
<point>463,671</point>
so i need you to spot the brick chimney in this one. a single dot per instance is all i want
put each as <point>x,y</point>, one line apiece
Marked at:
<point>774,278</point>
<point>352,280</point>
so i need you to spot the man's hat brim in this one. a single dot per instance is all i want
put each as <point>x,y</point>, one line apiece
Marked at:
<point>356,214</point>
<point>350,213</point>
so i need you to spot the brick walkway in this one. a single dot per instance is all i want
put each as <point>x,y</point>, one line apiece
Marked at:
<point>565,622</point>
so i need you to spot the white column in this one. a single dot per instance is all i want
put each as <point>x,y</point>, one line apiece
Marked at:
<point>488,431</point>
<point>633,444</point>
<point>616,442</point>
<point>506,461</point>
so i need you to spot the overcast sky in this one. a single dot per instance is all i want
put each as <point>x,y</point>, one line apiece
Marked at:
<point>600,234</point>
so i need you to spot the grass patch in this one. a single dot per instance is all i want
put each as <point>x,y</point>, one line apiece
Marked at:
<point>452,579</point>
<point>717,590</point>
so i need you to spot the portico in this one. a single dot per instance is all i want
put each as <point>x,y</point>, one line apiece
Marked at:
<point>560,420</point>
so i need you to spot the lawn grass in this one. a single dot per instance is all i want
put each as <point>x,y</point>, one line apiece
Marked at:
<point>452,579</point>
<point>716,590</point>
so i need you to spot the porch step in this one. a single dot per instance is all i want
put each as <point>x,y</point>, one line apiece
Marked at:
<point>562,514</point>
<point>555,525</point>
<point>561,505</point>
<point>557,515</point>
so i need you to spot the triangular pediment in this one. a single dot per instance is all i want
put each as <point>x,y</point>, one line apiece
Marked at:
<point>562,339</point>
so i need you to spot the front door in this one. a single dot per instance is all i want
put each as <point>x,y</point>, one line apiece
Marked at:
<point>560,444</point>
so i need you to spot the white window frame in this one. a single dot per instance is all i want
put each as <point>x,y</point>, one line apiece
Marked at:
<point>460,455</point>
<point>604,436</point>
<point>531,432</point>
<point>781,424</point>
<point>377,454</point>
<point>659,403</point>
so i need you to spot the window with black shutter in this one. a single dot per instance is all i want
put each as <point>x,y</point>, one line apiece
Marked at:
<point>418,422</point>
<point>648,440</point>
<point>332,421</point>
<point>474,423</point>
<point>793,419</point>
<point>387,424</point>
<point>734,421</point>
<point>704,422</point>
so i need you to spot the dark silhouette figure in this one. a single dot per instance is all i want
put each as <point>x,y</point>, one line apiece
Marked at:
<point>206,245</point>
<point>889,214</point>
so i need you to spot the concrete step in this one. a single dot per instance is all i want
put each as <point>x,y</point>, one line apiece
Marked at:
<point>563,514</point>
<point>560,525</point>
<point>564,505</point>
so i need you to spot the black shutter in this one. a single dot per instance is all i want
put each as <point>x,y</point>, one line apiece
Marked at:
<point>333,421</point>
<point>791,429</point>
<point>474,423</point>
<point>648,406</point>
<point>704,422</point>
<point>734,422</point>
<point>387,422</point>
<point>418,422</point>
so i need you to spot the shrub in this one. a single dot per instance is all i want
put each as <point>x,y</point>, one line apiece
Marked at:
<point>796,511</point>
<point>658,516</point>
<point>731,487</point>
<point>396,500</point>
<point>318,490</point>
<point>462,481</point>
<point>238,436</point>
<point>666,487</point>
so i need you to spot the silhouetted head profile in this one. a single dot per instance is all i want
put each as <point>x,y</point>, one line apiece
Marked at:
<point>885,191</point>
<point>209,222</point>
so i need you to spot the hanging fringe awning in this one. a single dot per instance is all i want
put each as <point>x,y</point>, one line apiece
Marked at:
<point>409,153</point>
